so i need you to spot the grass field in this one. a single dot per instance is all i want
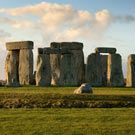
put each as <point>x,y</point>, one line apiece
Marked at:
<point>68,90</point>
<point>47,112</point>
<point>67,121</point>
<point>63,97</point>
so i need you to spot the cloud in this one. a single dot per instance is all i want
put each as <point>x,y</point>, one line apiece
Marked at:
<point>60,22</point>
<point>124,19</point>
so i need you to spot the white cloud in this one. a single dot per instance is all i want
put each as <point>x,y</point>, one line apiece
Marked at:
<point>61,21</point>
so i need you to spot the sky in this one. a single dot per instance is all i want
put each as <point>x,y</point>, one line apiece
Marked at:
<point>95,23</point>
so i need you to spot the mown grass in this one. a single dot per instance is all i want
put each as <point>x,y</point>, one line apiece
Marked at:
<point>67,121</point>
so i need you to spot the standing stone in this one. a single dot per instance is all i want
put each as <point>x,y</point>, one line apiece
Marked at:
<point>68,73</point>
<point>104,60</point>
<point>76,49</point>
<point>93,70</point>
<point>11,68</point>
<point>26,66</point>
<point>43,70</point>
<point>79,65</point>
<point>55,68</point>
<point>131,71</point>
<point>115,74</point>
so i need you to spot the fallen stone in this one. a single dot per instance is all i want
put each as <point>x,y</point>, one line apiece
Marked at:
<point>11,68</point>
<point>19,45</point>
<point>84,88</point>
<point>115,74</point>
<point>105,50</point>
<point>26,66</point>
<point>93,70</point>
<point>130,82</point>
<point>43,70</point>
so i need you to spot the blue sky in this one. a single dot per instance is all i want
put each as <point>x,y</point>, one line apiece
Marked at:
<point>96,23</point>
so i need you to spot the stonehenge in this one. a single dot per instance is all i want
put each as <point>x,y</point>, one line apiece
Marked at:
<point>104,70</point>
<point>62,64</point>
<point>67,68</point>
<point>115,75</point>
<point>93,70</point>
<point>19,63</point>
<point>43,69</point>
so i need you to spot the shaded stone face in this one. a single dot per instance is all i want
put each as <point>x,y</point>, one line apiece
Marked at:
<point>68,72</point>
<point>11,68</point>
<point>26,66</point>
<point>19,45</point>
<point>74,48</point>
<point>93,70</point>
<point>43,70</point>
<point>105,50</point>
<point>55,60</point>
<point>115,74</point>
<point>79,65</point>
<point>69,45</point>
<point>131,71</point>
<point>104,60</point>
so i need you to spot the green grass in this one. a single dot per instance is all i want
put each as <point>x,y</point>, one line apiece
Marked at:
<point>50,114</point>
<point>68,90</point>
<point>63,97</point>
<point>67,121</point>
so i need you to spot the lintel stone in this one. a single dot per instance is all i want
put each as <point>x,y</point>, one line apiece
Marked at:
<point>105,50</point>
<point>69,45</point>
<point>53,51</point>
<point>19,45</point>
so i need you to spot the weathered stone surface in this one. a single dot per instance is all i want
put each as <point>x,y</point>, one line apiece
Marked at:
<point>76,49</point>
<point>79,65</point>
<point>43,70</point>
<point>55,45</point>
<point>105,50</point>
<point>115,75</point>
<point>49,50</point>
<point>55,60</point>
<point>68,72</point>
<point>11,68</point>
<point>40,51</point>
<point>84,88</point>
<point>25,66</point>
<point>65,51</point>
<point>93,70</point>
<point>69,45</point>
<point>131,71</point>
<point>104,60</point>
<point>19,45</point>
<point>72,45</point>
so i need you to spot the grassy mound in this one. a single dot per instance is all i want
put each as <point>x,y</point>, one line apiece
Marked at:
<point>63,97</point>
